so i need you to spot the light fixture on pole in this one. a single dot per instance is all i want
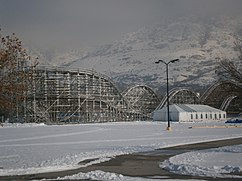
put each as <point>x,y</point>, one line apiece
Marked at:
<point>167,89</point>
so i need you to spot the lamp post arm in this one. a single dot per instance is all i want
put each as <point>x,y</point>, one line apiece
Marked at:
<point>173,61</point>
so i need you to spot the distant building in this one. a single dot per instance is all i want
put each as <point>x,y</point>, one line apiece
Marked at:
<point>190,113</point>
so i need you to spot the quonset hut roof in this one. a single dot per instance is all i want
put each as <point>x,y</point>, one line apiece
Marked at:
<point>191,108</point>
<point>189,113</point>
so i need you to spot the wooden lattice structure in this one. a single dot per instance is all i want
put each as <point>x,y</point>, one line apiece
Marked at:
<point>141,98</point>
<point>180,96</point>
<point>58,95</point>
<point>224,95</point>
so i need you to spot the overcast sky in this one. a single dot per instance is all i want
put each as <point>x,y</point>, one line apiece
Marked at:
<point>50,23</point>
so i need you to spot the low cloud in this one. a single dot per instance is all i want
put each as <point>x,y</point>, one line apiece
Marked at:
<point>50,23</point>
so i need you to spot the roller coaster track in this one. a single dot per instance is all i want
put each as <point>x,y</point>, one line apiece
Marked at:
<point>227,102</point>
<point>59,95</point>
<point>174,92</point>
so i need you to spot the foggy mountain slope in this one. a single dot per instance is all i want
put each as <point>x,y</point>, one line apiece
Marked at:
<point>198,43</point>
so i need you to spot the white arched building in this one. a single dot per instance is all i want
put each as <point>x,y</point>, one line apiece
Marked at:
<point>190,113</point>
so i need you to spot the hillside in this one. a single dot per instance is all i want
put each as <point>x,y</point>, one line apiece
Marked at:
<point>198,43</point>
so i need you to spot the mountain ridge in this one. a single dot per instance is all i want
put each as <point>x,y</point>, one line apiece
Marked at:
<point>199,44</point>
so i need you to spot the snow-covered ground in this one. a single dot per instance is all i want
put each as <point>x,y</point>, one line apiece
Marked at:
<point>42,148</point>
<point>107,176</point>
<point>217,162</point>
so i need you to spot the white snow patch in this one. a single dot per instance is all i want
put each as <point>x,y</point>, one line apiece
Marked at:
<point>107,176</point>
<point>217,162</point>
<point>22,125</point>
<point>95,175</point>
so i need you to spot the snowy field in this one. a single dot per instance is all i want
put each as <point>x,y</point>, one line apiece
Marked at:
<point>218,162</point>
<point>40,148</point>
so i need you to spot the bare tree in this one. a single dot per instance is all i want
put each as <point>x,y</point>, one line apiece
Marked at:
<point>14,61</point>
<point>231,70</point>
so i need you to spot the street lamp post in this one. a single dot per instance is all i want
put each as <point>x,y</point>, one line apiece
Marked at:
<point>167,89</point>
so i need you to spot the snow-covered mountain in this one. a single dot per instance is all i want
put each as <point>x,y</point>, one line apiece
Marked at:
<point>53,56</point>
<point>198,43</point>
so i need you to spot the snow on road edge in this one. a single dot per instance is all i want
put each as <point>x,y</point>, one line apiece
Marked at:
<point>222,162</point>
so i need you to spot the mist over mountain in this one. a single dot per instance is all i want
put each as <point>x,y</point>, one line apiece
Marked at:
<point>199,43</point>
<point>80,34</point>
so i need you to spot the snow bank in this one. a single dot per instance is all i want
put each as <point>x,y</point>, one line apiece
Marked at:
<point>219,162</point>
<point>104,176</point>
<point>94,175</point>
<point>21,125</point>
